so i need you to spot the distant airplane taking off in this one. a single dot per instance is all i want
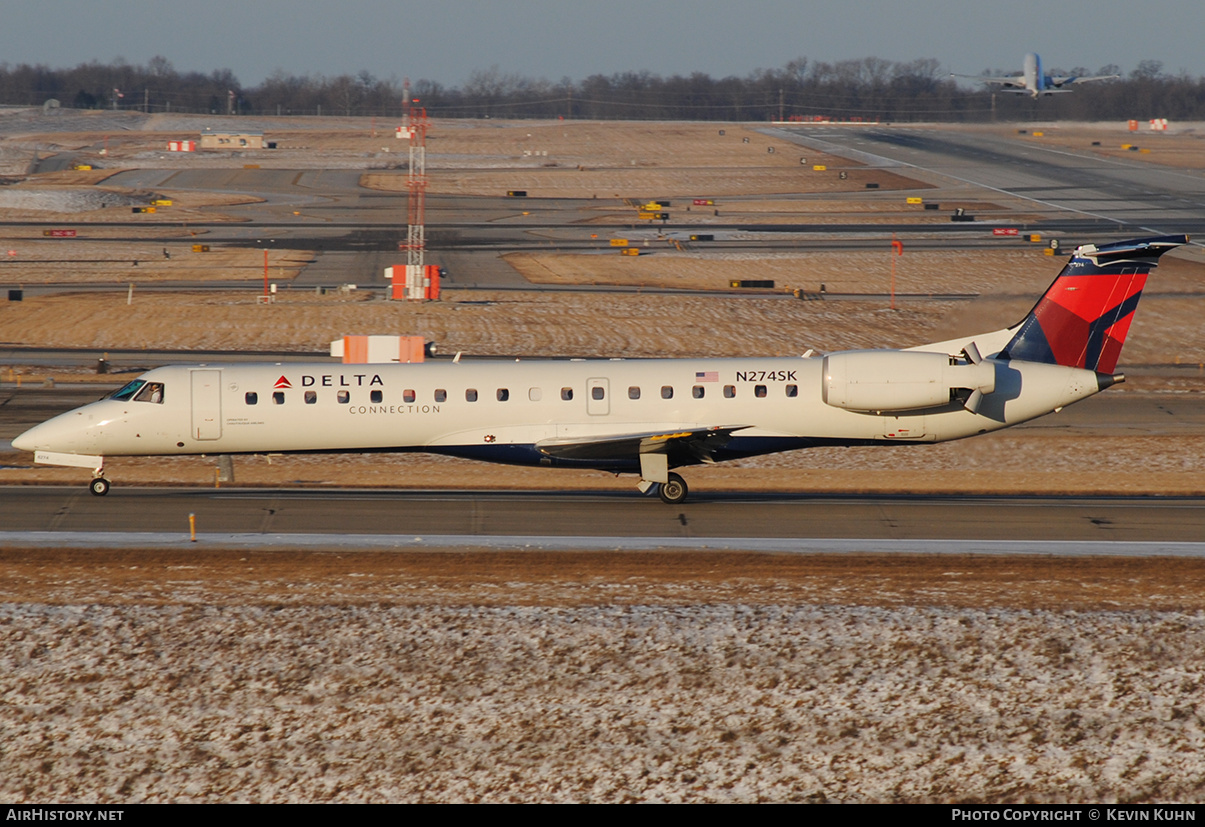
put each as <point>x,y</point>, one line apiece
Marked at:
<point>637,416</point>
<point>1034,82</point>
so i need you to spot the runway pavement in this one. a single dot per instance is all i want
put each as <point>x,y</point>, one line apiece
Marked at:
<point>1137,197</point>
<point>425,519</point>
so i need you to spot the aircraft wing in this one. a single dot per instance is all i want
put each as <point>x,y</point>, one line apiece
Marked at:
<point>1013,80</point>
<point>699,443</point>
<point>1068,81</point>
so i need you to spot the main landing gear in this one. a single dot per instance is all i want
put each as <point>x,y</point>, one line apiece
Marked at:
<point>654,471</point>
<point>99,486</point>
<point>674,491</point>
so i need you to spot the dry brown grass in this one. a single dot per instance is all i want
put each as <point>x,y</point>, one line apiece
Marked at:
<point>471,577</point>
<point>40,262</point>
<point>1182,146</point>
<point>628,160</point>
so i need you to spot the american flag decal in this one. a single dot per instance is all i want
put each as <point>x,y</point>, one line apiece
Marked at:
<point>707,376</point>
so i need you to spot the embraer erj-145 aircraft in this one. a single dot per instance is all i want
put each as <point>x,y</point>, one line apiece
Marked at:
<point>1034,82</point>
<point>640,416</point>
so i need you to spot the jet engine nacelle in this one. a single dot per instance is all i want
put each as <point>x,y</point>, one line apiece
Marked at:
<point>896,380</point>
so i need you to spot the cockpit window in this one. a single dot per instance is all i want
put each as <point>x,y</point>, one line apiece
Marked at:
<point>153,392</point>
<point>129,390</point>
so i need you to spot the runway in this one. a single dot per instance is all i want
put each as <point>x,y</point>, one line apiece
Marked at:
<point>400,520</point>
<point>1139,197</point>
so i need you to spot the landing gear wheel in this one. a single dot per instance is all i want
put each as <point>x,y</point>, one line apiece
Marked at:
<point>674,491</point>
<point>99,486</point>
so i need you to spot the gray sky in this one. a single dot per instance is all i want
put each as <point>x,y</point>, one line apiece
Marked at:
<point>445,40</point>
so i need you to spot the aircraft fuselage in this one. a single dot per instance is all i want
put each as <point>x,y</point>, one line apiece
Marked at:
<point>504,411</point>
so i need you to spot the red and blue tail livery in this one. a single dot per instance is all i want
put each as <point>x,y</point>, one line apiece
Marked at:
<point>1084,316</point>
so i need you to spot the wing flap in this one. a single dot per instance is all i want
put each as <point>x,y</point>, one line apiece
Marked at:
<point>699,443</point>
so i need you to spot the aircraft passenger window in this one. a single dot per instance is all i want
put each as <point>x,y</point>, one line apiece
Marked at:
<point>311,397</point>
<point>633,392</point>
<point>759,391</point>
<point>503,394</point>
<point>470,395</point>
<point>408,395</point>
<point>441,395</point>
<point>667,392</point>
<point>534,394</point>
<point>567,394</point>
<point>729,391</point>
<point>375,396</point>
<point>343,396</point>
<point>792,390</point>
<point>697,391</point>
<point>278,397</point>
<point>251,398</point>
<point>598,392</point>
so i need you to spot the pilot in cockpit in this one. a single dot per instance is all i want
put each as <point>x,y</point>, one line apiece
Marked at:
<point>141,391</point>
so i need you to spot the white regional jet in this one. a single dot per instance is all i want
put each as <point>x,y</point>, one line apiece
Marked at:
<point>641,416</point>
<point>1034,82</point>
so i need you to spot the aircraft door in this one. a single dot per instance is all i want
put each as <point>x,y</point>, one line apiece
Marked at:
<point>206,404</point>
<point>598,393</point>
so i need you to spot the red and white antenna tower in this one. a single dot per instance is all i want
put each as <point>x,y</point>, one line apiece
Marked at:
<point>416,183</point>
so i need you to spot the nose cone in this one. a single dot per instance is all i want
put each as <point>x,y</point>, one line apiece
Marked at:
<point>65,433</point>
<point>27,440</point>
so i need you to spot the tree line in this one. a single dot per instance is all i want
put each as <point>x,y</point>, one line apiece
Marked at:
<point>866,89</point>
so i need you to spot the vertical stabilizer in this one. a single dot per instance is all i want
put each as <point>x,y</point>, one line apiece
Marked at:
<point>1083,318</point>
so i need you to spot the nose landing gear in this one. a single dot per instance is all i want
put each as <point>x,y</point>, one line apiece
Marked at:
<point>99,485</point>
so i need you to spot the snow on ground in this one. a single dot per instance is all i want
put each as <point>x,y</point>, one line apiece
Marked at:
<point>640,702</point>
